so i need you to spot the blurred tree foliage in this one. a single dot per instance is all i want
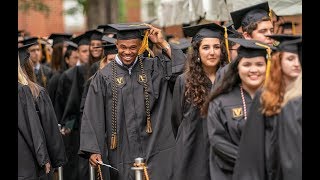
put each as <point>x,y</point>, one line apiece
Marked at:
<point>36,5</point>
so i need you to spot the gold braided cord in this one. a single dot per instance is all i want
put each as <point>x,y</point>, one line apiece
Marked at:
<point>226,41</point>
<point>113,143</point>
<point>99,173</point>
<point>146,175</point>
<point>268,49</point>
<point>146,98</point>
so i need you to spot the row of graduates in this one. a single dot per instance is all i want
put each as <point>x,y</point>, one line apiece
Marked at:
<point>72,59</point>
<point>237,119</point>
<point>130,102</point>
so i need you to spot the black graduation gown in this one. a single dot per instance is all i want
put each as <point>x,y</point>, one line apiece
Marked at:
<point>32,151</point>
<point>191,159</point>
<point>258,150</point>
<point>132,139</point>
<point>290,139</point>
<point>63,91</point>
<point>52,88</point>
<point>225,124</point>
<point>43,75</point>
<point>94,68</point>
<point>52,133</point>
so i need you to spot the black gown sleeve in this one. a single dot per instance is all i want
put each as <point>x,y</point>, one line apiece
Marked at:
<point>219,137</point>
<point>177,104</point>
<point>30,127</point>
<point>93,130</point>
<point>290,139</point>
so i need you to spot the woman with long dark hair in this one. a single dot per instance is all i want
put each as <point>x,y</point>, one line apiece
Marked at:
<point>207,55</point>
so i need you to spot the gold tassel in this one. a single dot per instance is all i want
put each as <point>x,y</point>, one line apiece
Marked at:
<point>268,61</point>
<point>149,128</point>
<point>226,41</point>
<point>113,141</point>
<point>144,44</point>
<point>293,28</point>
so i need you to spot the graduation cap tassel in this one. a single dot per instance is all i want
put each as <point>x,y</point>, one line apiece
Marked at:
<point>113,141</point>
<point>149,128</point>
<point>293,28</point>
<point>268,49</point>
<point>226,41</point>
<point>144,44</point>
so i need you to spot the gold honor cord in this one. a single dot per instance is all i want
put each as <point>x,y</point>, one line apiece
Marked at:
<point>99,172</point>
<point>226,41</point>
<point>146,175</point>
<point>268,49</point>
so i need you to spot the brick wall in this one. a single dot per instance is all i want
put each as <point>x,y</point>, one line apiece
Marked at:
<point>37,24</point>
<point>132,10</point>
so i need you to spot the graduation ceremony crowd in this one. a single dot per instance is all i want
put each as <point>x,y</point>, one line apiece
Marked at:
<point>222,103</point>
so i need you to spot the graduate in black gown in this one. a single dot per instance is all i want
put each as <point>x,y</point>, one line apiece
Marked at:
<point>128,107</point>
<point>42,72</point>
<point>58,65</point>
<point>33,157</point>
<point>265,144</point>
<point>228,106</point>
<point>207,55</point>
<point>45,110</point>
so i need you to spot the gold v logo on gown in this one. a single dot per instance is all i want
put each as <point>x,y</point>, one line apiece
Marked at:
<point>237,112</point>
<point>119,81</point>
<point>142,78</point>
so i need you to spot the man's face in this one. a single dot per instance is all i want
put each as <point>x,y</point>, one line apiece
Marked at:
<point>35,53</point>
<point>83,53</point>
<point>263,28</point>
<point>128,50</point>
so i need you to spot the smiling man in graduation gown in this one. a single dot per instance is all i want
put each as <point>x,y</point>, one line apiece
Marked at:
<point>128,107</point>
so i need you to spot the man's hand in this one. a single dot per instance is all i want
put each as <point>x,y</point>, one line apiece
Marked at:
<point>65,131</point>
<point>94,158</point>
<point>156,36</point>
<point>47,167</point>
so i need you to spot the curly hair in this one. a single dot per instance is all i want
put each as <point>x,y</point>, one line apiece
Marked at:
<point>196,90</point>
<point>253,26</point>
<point>274,89</point>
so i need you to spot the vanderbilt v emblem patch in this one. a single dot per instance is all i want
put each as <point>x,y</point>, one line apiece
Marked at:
<point>142,78</point>
<point>236,112</point>
<point>119,81</point>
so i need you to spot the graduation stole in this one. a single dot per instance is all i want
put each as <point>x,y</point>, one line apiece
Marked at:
<point>115,102</point>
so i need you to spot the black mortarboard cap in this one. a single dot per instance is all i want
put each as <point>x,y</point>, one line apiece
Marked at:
<point>82,39</point>
<point>182,44</point>
<point>297,43</point>
<point>94,34</point>
<point>59,37</point>
<point>109,40</point>
<point>244,17</point>
<point>29,40</point>
<point>24,53</point>
<point>128,30</point>
<point>198,32</point>
<point>20,32</point>
<point>251,48</point>
<point>71,45</point>
<point>110,49</point>
<point>282,38</point>
<point>232,32</point>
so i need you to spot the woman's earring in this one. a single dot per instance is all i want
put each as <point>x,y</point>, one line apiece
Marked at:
<point>198,60</point>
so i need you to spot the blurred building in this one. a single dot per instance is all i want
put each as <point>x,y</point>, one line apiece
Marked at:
<point>38,23</point>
